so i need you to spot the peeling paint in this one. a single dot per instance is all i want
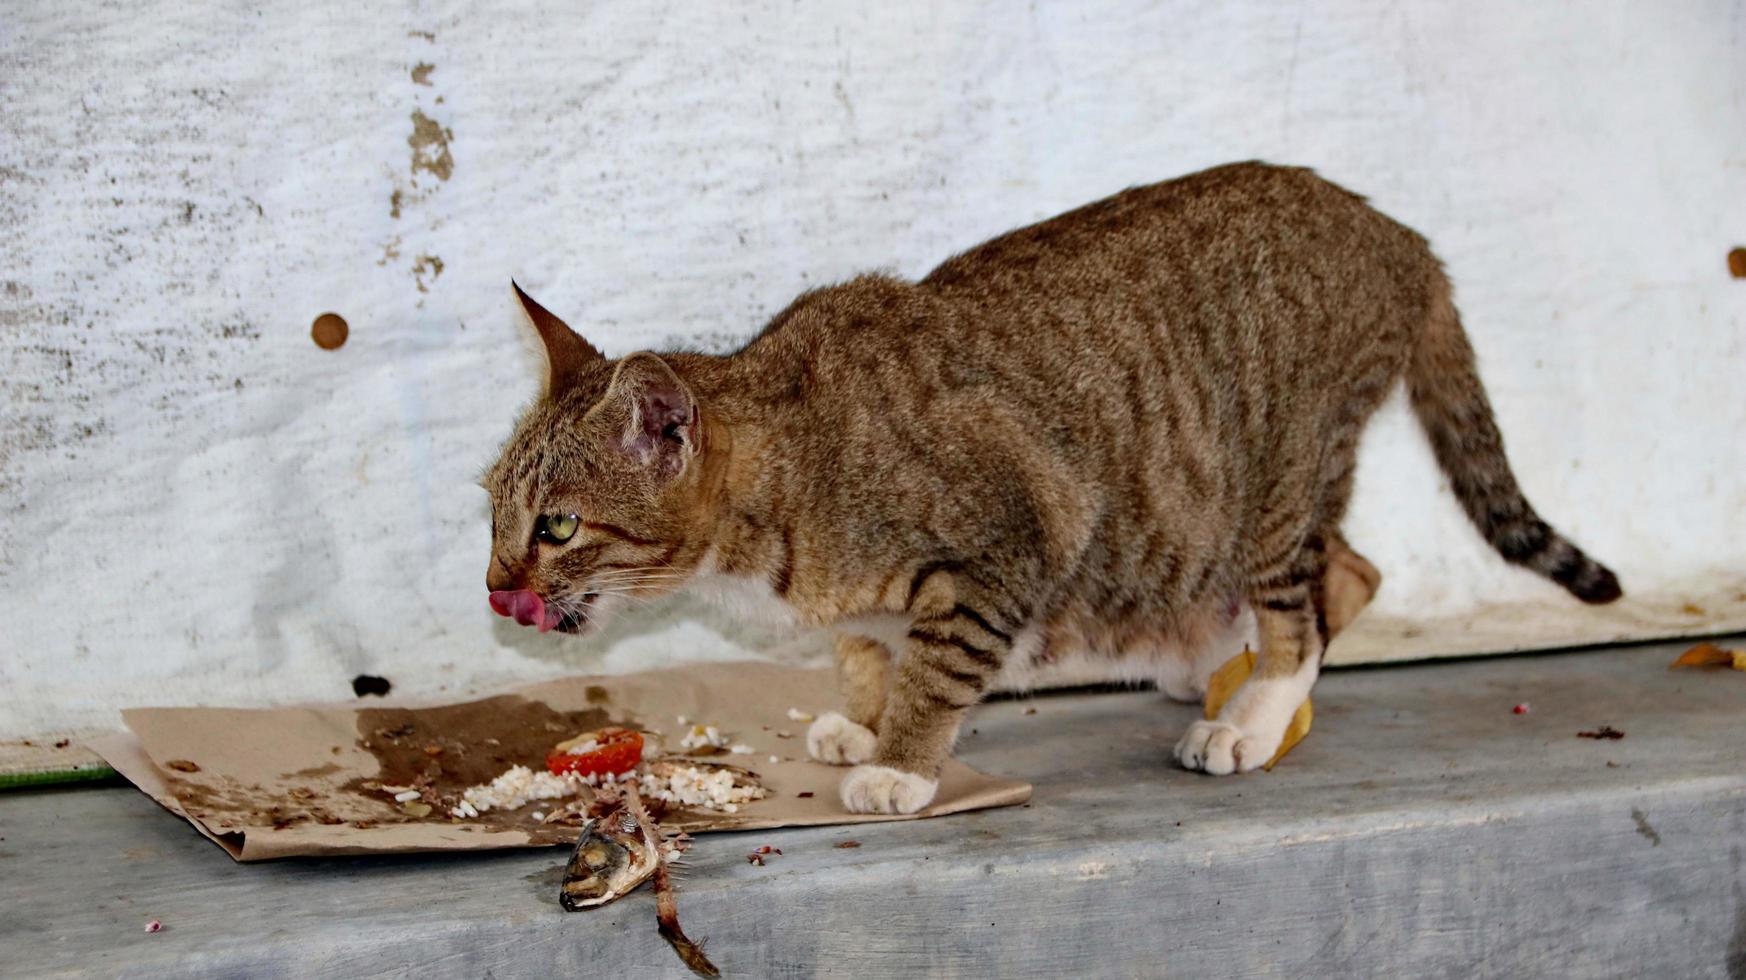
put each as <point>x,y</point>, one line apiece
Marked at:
<point>421,73</point>
<point>426,265</point>
<point>430,147</point>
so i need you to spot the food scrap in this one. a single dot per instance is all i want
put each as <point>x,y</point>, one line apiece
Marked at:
<point>1224,683</point>
<point>703,740</point>
<point>609,751</point>
<point>762,852</point>
<point>1520,709</point>
<point>605,758</point>
<point>713,787</point>
<point>1710,655</point>
<point>611,859</point>
<point>182,765</point>
<point>515,788</point>
<point>154,926</point>
<point>795,714</point>
<point>620,848</point>
<point>1604,732</point>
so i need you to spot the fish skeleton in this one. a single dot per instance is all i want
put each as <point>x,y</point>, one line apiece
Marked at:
<point>615,854</point>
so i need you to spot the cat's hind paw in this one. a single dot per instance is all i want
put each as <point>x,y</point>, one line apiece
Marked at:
<point>838,741</point>
<point>882,789</point>
<point>1219,748</point>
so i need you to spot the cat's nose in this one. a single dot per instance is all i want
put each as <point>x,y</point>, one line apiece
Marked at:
<point>498,578</point>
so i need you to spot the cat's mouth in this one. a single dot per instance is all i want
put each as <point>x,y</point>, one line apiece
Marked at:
<point>572,621</point>
<point>526,607</point>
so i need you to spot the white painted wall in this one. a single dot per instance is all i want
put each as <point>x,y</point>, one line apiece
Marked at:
<point>201,506</point>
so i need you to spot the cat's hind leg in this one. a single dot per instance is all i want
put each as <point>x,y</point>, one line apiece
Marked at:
<point>863,675</point>
<point>1347,586</point>
<point>1252,724</point>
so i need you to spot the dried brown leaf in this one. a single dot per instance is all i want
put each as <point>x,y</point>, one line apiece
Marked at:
<point>1709,655</point>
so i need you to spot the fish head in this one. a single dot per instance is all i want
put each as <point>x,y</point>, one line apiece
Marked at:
<point>611,859</point>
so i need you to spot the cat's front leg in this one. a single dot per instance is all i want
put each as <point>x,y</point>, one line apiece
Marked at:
<point>952,653</point>
<point>863,674</point>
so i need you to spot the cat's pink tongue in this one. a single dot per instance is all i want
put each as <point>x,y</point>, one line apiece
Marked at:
<point>525,607</point>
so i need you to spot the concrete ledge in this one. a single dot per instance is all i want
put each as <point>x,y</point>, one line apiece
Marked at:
<point>1422,830</point>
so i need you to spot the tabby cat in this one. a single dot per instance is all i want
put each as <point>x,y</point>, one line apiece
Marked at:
<point>1113,431</point>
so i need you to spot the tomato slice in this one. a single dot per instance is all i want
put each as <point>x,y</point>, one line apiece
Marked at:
<point>617,750</point>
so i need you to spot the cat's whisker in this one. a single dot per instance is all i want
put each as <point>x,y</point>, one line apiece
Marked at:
<point>639,578</point>
<point>652,570</point>
<point>633,580</point>
<point>645,577</point>
<point>631,597</point>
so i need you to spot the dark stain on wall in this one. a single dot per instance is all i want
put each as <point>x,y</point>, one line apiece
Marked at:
<point>430,147</point>
<point>426,265</point>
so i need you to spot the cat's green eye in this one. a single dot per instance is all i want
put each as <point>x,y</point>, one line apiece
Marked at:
<point>559,528</point>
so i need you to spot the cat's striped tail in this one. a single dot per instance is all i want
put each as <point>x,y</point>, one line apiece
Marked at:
<point>1451,404</point>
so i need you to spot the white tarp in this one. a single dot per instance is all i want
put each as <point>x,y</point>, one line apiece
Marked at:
<point>201,506</point>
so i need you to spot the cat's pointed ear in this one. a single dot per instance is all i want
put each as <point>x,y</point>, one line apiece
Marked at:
<point>566,351</point>
<point>657,412</point>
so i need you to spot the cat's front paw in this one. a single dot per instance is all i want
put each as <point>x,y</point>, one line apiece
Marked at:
<point>882,789</point>
<point>1220,748</point>
<point>837,741</point>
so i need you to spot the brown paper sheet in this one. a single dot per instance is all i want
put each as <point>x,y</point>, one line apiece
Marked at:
<point>284,782</point>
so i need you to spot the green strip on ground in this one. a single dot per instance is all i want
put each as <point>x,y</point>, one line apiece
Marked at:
<point>55,777</point>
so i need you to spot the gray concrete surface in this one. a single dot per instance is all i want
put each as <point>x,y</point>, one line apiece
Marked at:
<point>1422,830</point>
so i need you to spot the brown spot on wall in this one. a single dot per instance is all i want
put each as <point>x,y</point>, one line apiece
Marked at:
<point>426,265</point>
<point>430,147</point>
<point>394,201</point>
<point>1737,263</point>
<point>330,331</point>
<point>421,73</point>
